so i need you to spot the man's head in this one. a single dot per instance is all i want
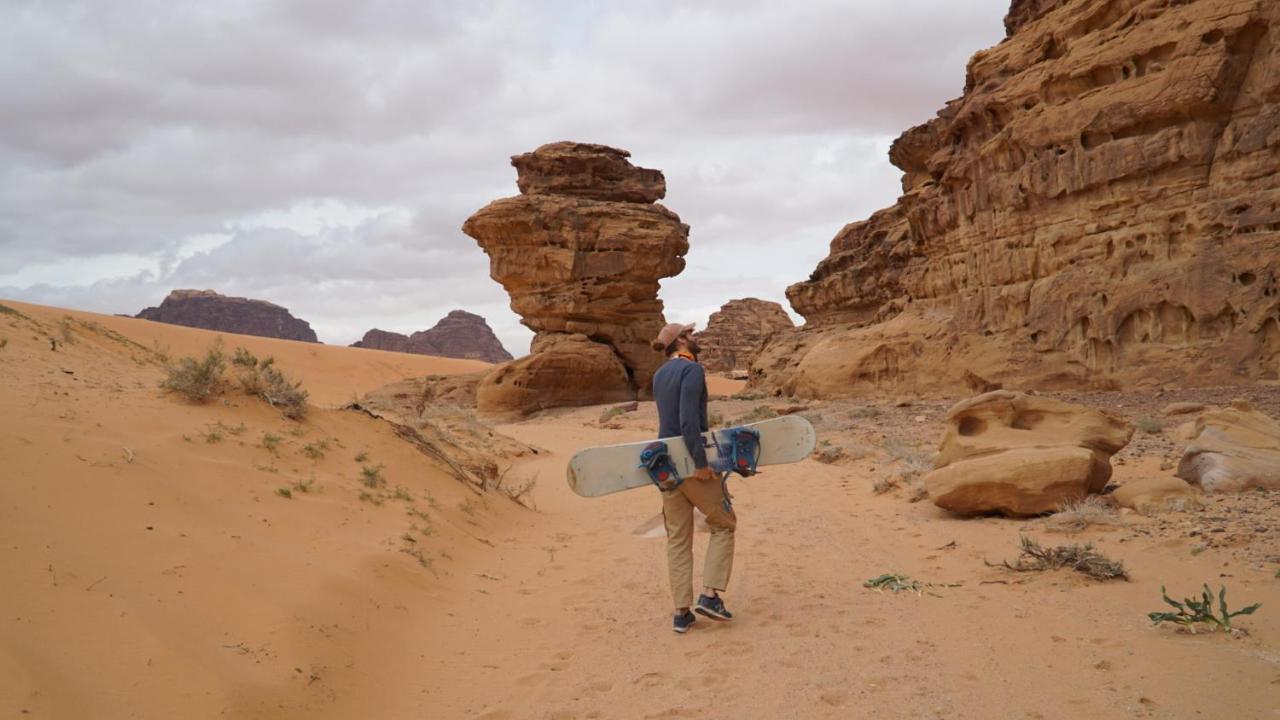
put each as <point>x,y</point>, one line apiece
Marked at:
<point>675,337</point>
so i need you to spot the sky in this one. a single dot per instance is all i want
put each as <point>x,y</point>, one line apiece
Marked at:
<point>323,154</point>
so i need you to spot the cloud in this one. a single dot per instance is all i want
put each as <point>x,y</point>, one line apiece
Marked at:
<point>323,155</point>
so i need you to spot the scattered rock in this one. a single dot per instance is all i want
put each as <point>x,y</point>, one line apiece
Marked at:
<point>1233,449</point>
<point>1182,408</point>
<point>1021,455</point>
<point>1153,495</point>
<point>211,311</point>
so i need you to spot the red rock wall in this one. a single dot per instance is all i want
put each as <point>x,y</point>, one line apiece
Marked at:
<point>1100,208</point>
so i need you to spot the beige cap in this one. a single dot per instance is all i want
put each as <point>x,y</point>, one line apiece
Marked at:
<point>668,335</point>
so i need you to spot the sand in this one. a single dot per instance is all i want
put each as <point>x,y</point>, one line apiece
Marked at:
<point>149,572</point>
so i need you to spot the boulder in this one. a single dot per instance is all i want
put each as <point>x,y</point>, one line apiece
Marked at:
<point>212,311</point>
<point>582,267</point>
<point>735,333</point>
<point>1100,209</point>
<point>1152,495</point>
<point>1182,408</point>
<point>1233,449</point>
<point>1018,455</point>
<point>560,371</point>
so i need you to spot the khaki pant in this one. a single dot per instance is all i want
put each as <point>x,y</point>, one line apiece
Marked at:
<point>677,511</point>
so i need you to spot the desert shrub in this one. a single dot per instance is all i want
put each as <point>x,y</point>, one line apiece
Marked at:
<point>315,449</point>
<point>263,379</point>
<point>897,583</point>
<point>1192,613</point>
<point>1078,515</point>
<point>1081,558</point>
<point>371,476</point>
<point>610,413</point>
<point>758,413</point>
<point>864,412</point>
<point>1150,425</point>
<point>271,443</point>
<point>196,380</point>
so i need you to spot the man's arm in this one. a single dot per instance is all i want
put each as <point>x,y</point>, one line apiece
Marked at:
<point>692,384</point>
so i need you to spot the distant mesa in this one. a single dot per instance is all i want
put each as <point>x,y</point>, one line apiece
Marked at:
<point>737,331</point>
<point>459,334</point>
<point>1100,210</point>
<point>581,251</point>
<point>211,311</point>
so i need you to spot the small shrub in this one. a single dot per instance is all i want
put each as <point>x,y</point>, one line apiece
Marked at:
<point>758,413</point>
<point>371,476</point>
<point>271,443</point>
<point>262,379</point>
<point>196,380</point>
<point>315,449</point>
<point>402,494</point>
<point>468,506</point>
<point>362,457</point>
<point>4,342</point>
<point>1192,613</point>
<point>1150,425</point>
<point>1078,515</point>
<point>416,554</point>
<point>897,583</point>
<point>284,492</point>
<point>366,496</point>
<point>212,436</point>
<point>864,412</point>
<point>611,413</point>
<point>304,486</point>
<point>715,419</point>
<point>1081,558</point>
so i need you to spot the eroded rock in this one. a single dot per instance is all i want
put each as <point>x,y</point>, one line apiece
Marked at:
<point>459,334</point>
<point>212,311</point>
<point>736,332</point>
<point>1233,449</point>
<point>582,268</point>
<point>1153,495</point>
<point>1015,454</point>
<point>1100,209</point>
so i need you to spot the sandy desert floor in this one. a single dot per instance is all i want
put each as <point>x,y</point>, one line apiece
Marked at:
<point>153,567</point>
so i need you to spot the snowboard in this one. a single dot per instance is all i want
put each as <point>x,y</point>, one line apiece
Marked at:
<point>612,468</point>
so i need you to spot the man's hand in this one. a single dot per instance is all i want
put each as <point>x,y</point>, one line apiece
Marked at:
<point>704,473</point>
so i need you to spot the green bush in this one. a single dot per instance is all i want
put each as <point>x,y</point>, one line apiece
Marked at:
<point>196,380</point>
<point>264,380</point>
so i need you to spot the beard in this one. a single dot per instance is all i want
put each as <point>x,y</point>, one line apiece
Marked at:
<point>694,347</point>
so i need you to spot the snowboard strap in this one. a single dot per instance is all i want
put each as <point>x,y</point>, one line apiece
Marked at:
<point>741,452</point>
<point>656,461</point>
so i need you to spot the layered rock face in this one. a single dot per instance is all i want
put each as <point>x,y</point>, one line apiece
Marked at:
<point>211,311</point>
<point>735,333</point>
<point>1100,208</point>
<point>459,334</point>
<point>581,252</point>
<point>1015,454</point>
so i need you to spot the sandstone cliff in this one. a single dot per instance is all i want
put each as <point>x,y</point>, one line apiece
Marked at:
<point>459,334</point>
<point>1100,208</point>
<point>736,332</point>
<point>581,252</point>
<point>211,311</point>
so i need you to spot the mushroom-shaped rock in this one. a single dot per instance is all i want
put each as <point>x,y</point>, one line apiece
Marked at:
<point>1233,449</point>
<point>581,256</point>
<point>1015,454</point>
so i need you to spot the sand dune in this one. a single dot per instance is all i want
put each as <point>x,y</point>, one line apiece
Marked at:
<point>152,572</point>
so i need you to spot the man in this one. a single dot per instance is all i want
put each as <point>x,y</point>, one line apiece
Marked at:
<point>680,389</point>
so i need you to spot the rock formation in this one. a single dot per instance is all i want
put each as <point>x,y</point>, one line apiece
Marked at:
<point>736,332</point>
<point>580,251</point>
<point>211,311</point>
<point>1153,495</point>
<point>1100,208</point>
<point>1233,449</point>
<point>1021,455</point>
<point>459,335</point>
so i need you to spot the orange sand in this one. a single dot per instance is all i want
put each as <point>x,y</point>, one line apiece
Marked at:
<point>178,583</point>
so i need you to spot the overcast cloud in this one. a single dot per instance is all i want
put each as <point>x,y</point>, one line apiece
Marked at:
<point>323,155</point>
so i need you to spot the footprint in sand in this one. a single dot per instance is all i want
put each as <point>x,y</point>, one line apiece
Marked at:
<point>651,680</point>
<point>531,679</point>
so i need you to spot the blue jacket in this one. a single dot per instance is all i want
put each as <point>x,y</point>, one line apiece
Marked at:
<point>680,389</point>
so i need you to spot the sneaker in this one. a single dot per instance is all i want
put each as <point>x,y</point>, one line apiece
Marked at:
<point>713,607</point>
<point>682,622</point>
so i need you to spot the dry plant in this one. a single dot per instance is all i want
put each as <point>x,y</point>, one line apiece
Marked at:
<point>196,380</point>
<point>261,378</point>
<point>1150,425</point>
<point>1074,516</point>
<point>1081,558</point>
<point>371,476</point>
<point>758,413</point>
<point>895,582</point>
<point>315,449</point>
<point>520,492</point>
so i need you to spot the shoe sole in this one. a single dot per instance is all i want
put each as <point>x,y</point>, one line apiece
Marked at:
<point>682,630</point>
<point>708,613</point>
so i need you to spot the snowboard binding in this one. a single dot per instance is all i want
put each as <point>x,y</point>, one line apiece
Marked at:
<point>740,453</point>
<point>656,461</point>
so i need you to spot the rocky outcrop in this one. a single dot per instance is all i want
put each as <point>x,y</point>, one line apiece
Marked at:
<point>1153,495</point>
<point>459,335</point>
<point>1019,455</point>
<point>1101,208</point>
<point>211,311</point>
<point>736,332</point>
<point>581,252</point>
<point>1233,449</point>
